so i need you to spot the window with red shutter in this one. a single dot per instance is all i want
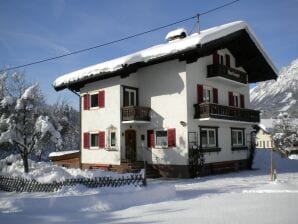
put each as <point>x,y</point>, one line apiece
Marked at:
<point>242,105</point>
<point>231,99</point>
<point>228,61</point>
<point>215,58</point>
<point>86,140</point>
<point>86,102</point>
<point>171,137</point>
<point>215,95</point>
<point>101,99</point>
<point>101,139</point>
<point>200,93</point>
<point>150,138</point>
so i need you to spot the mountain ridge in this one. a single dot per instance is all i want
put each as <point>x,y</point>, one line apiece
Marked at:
<point>272,97</point>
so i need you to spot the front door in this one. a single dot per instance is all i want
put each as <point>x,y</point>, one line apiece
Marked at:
<point>130,145</point>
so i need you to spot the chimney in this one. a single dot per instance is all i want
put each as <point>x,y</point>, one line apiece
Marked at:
<point>176,34</point>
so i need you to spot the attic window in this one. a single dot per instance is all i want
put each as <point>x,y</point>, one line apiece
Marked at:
<point>176,34</point>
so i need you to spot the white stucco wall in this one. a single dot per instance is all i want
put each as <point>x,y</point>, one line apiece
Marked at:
<point>197,74</point>
<point>163,88</point>
<point>95,120</point>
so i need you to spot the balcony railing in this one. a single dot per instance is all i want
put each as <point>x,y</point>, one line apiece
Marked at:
<point>136,113</point>
<point>210,110</point>
<point>224,71</point>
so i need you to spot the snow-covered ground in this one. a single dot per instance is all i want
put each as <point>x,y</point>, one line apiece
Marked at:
<point>242,197</point>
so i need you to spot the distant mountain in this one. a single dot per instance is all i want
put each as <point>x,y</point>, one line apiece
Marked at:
<point>272,97</point>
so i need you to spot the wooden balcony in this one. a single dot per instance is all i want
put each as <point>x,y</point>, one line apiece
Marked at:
<point>136,114</point>
<point>210,110</point>
<point>218,70</point>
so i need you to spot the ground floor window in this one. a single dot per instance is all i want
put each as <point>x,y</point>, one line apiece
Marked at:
<point>94,140</point>
<point>161,139</point>
<point>208,137</point>
<point>237,137</point>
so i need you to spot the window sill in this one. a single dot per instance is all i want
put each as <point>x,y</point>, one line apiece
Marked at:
<point>211,149</point>
<point>239,148</point>
<point>111,149</point>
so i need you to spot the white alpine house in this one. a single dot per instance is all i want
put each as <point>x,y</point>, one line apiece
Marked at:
<point>182,106</point>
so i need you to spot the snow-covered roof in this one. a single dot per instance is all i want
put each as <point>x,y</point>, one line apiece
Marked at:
<point>62,153</point>
<point>159,51</point>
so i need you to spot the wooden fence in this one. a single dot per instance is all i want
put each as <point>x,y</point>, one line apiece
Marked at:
<point>18,184</point>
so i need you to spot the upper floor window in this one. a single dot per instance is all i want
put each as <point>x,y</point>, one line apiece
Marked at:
<point>236,100</point>
<point>94,100</point>
<point>207,94</point>
<point>223,59</point>
<point>130,96</point>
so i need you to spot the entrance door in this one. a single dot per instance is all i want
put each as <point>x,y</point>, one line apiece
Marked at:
<point>130,145</point>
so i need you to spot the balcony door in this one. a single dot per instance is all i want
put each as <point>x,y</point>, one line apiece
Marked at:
<point>130,96</point>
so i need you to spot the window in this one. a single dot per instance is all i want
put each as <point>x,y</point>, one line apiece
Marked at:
<point>94,140</point>
<point>111,137</point>
<point>236,99</point>
<point>208,137</point>
<point>207,94</point>
<point>237,137</point>
<point>130,96</point>
<point>161,139</point>
<point>94,100</point>
<point>221,60</point>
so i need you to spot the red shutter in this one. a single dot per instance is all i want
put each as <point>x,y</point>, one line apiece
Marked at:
<point>228,61</point>
<point>150,138</point>
<point>101,139</point>
<point>215,58</point>
<point>171,137</point>
<point>242,105</point>
<point>86,140</point>
<point>86,102</point>
<point>215,95</point>
<point>200,93</point>
<point>231,99</point>
<point>101,99</point>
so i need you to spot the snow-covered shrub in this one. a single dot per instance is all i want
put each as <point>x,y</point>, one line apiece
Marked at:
<point>285,132</point>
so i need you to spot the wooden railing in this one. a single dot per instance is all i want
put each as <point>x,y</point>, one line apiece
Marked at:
<point>226,72</point>
<point>136,113</point>
<point>210,110</point>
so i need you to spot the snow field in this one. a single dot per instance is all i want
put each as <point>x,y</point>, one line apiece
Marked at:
<point>242,197</point>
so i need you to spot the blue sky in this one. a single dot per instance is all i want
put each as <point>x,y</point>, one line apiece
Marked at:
<point>36,29</point>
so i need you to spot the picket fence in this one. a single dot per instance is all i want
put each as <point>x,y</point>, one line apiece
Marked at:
<point>19,184</point>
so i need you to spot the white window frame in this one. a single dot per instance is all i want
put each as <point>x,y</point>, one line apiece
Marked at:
<point>131,91</point>
<point>208,145</point>
<point>90,136</point>
<point>90,96</point>
<point>205,91</point>
<point>160,146</point>
<point>109,132</point>
<point>237,144</point>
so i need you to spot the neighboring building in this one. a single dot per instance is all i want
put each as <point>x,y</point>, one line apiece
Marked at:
<point>264,139</point>
<point>68,159</point>
<point>181,106</point>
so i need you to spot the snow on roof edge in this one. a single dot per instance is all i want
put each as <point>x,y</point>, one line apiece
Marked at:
<point>159,51</point>
<point>62,153</point>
